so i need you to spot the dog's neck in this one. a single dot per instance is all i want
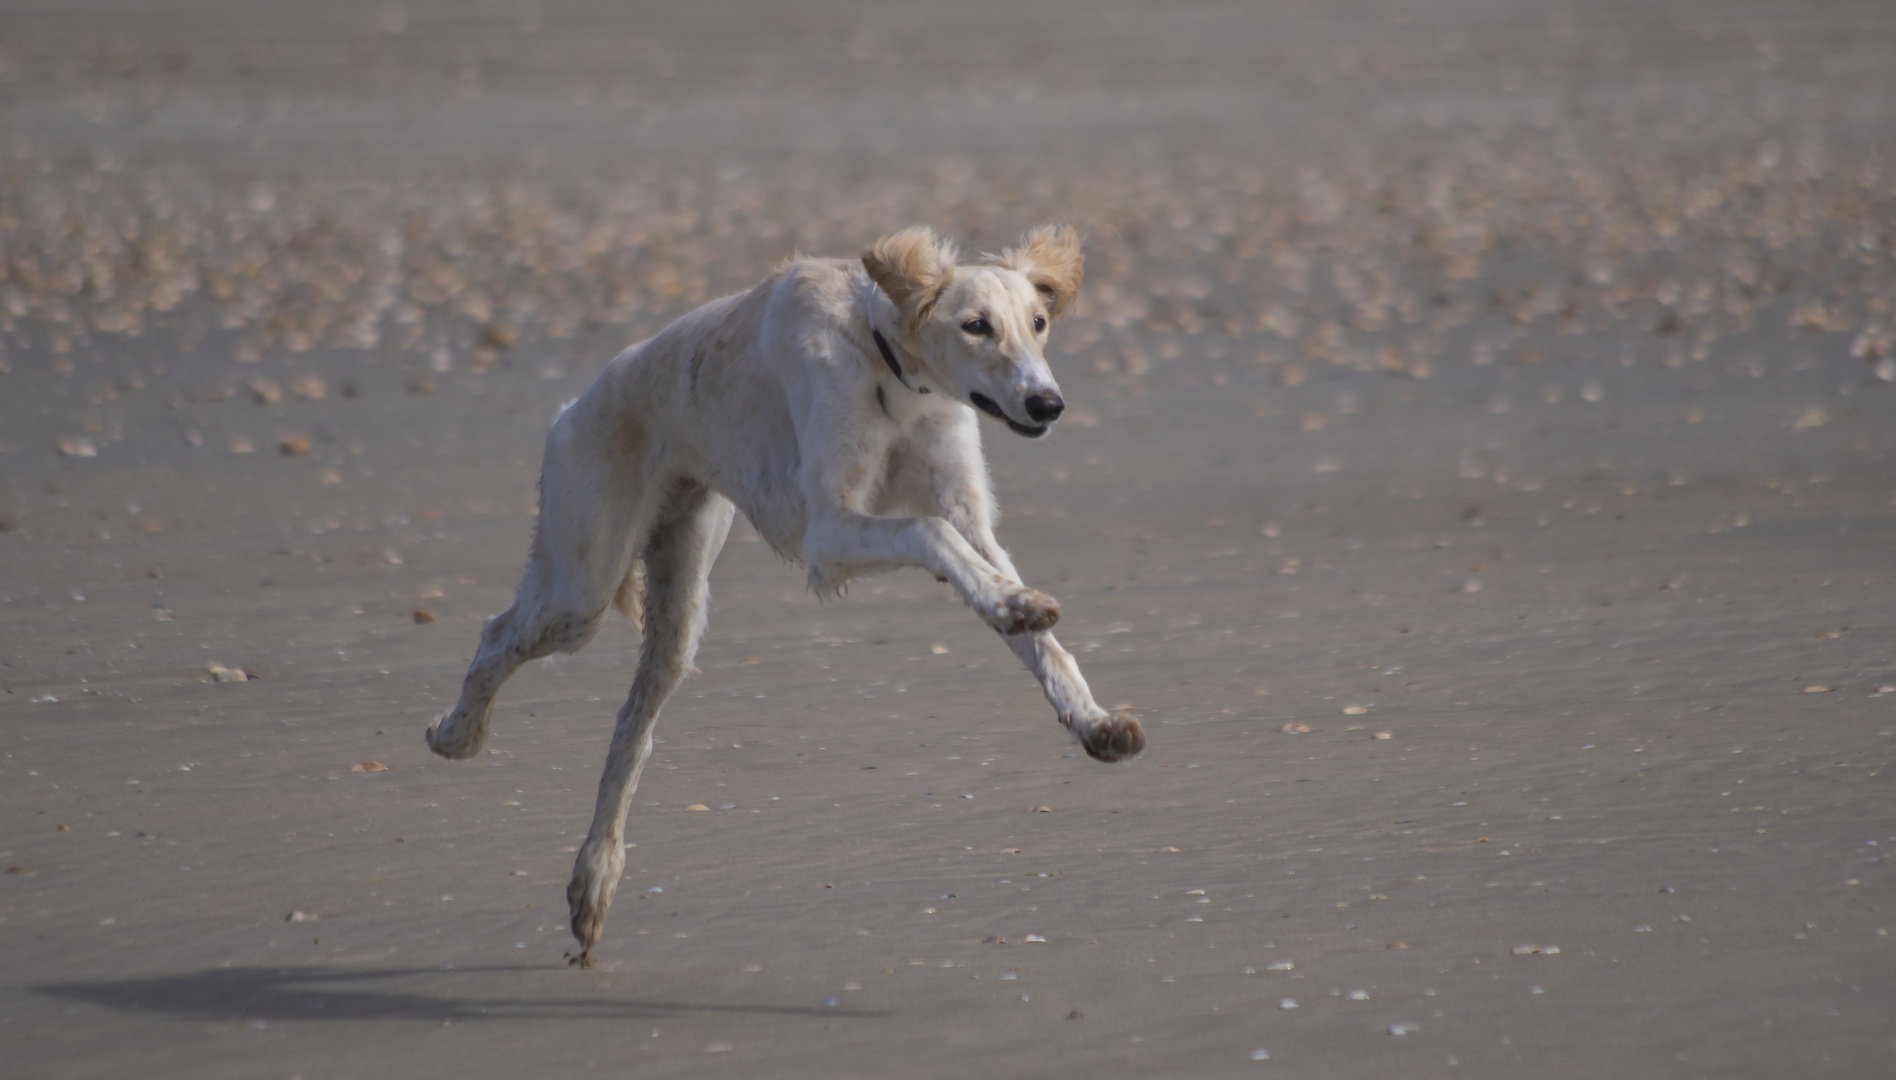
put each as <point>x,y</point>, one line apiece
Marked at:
<point>882,343</point>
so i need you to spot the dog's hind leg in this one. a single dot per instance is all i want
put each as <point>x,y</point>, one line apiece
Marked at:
<point>593,514</point>
<point>678,561</point>
<point>529,629</point>
<point>462,731</point>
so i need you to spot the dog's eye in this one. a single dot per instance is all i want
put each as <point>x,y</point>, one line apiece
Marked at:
<point>977,327</point>
<point>1040,324</point>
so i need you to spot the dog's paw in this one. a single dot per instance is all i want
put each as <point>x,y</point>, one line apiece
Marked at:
<point>454,740</point>
<point>589,894</point>
<point>1112,738</point>
<point>1026,612</point>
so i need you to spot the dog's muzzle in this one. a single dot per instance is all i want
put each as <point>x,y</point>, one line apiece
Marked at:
<point>1039,408</point>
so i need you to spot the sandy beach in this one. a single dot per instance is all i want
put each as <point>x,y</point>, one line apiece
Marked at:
<point>1479,477</point>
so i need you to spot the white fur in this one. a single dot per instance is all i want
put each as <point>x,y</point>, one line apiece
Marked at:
<point>777,402</point>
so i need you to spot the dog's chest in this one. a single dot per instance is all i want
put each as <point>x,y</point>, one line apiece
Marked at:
<point>900,425</point>
<point>892,405</point>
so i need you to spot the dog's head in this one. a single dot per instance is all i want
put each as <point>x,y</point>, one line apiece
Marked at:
<point>979,330</point>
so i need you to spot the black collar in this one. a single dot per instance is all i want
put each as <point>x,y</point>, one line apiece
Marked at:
<point>888,357</point>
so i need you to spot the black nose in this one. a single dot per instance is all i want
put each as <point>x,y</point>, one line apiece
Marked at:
<point>1045,408</point>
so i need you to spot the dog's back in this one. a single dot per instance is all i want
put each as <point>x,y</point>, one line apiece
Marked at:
<point>714,391</point>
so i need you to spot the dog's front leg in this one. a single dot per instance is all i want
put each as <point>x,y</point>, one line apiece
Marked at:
<point>1103,735</point>
<point>843,544</point>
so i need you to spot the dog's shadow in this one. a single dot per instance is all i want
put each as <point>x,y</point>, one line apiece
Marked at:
<point>285,994</point>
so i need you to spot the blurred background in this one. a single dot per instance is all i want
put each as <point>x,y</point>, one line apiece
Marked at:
<point>1542,206</point>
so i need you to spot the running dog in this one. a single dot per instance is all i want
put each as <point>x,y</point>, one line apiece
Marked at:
<point>835,405</point>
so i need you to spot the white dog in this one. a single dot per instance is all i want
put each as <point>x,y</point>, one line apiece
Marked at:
<point>831,404</point>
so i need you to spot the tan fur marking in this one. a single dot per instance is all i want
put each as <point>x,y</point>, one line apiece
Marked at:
<point>911,267</point>
<point>1049,256</point>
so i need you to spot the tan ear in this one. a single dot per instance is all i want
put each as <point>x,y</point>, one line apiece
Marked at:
<point>1049,256</point>
<point>912,267</point>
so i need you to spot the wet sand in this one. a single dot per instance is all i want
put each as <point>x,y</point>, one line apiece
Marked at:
<point>1512,381</point>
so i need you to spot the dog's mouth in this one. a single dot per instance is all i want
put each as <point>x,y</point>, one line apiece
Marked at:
<point>986,405</point>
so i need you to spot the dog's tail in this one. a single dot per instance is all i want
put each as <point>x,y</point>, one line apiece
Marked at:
<point>630,599</point>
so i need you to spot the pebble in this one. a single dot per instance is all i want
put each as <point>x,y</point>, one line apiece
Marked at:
<point>1531,950</point>
<point>1287,1003</point>
<point>1404,1029</point>
<point>1359,995</point>
<point>1283,965</point>
<point>1260,1054</point>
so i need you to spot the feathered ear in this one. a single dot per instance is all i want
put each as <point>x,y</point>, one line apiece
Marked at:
<point>1049,256</point>
<point>912,267</point>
